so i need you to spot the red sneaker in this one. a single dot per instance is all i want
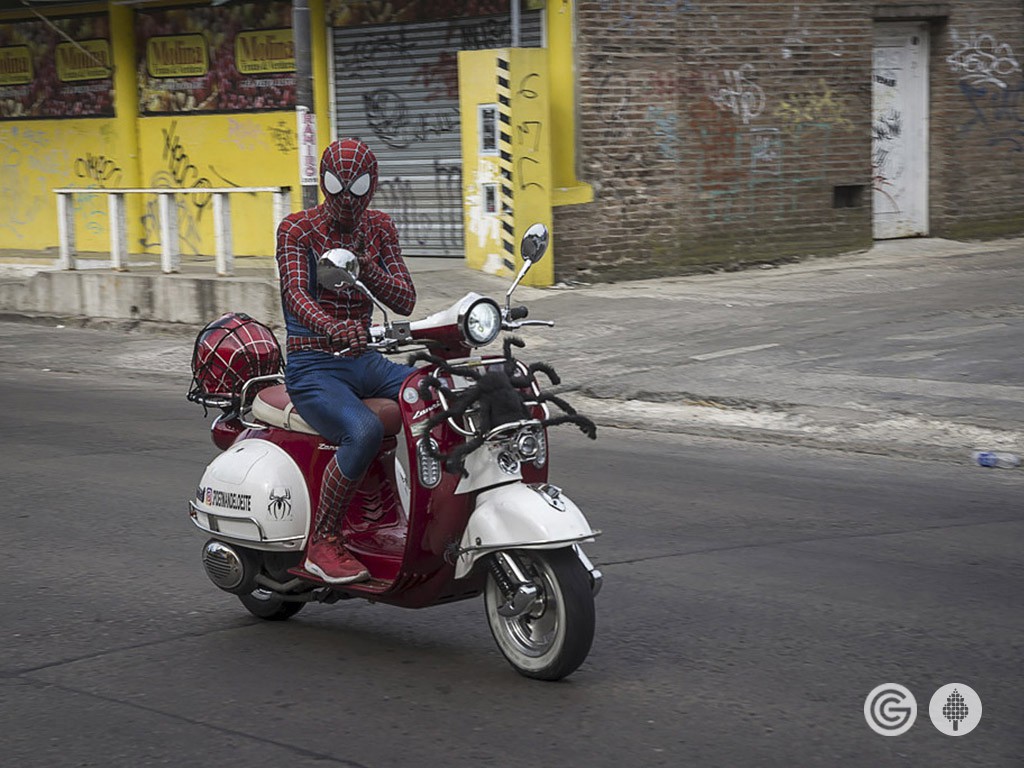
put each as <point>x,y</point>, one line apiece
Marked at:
<point>329,560</point>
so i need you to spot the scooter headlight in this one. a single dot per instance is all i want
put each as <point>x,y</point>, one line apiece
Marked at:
<point>481,323</point>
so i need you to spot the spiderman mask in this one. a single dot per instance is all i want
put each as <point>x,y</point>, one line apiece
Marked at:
<point>348,178</point>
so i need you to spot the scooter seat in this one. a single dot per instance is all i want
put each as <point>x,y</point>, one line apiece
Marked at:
<point>273,406</point>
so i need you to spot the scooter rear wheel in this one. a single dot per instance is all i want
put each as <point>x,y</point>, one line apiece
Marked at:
<point>266,605</point>
<point>553,637</point>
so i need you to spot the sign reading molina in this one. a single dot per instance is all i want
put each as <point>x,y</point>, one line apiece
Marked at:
<point>264,51</point>
<point>83,60</point>
<point>177,56</point>
<point>15,65</point>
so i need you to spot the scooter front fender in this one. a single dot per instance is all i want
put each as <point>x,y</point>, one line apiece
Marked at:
<point>519,516</point>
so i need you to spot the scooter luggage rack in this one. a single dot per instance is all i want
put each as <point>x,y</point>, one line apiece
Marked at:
<point>244,409</point>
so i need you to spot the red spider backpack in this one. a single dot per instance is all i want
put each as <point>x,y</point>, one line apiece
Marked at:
<point>228,352</point>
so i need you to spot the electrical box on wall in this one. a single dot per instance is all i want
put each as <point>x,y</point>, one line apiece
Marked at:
<point>506,157</point>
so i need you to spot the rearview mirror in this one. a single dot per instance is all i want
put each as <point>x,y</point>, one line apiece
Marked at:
<point>531,248</point>
<point>336,268</point>
<point>534,244</point>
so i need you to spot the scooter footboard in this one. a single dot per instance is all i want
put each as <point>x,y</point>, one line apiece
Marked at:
<point>519,516</point>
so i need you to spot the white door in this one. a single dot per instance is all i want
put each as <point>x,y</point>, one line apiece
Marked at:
<point>899,130</point>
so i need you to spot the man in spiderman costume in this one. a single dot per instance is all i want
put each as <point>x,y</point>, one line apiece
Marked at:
<point>327,389</point>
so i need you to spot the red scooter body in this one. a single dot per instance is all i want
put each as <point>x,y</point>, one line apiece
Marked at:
<point>407,552</point>
<point>498,528</point>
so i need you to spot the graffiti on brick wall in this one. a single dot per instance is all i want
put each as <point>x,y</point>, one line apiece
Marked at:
<point>666,131</point>
<point>737,92</point>
<point>820,107</point>
<point>996,113</point>
<point>638,20</point>
<point>981,60</point>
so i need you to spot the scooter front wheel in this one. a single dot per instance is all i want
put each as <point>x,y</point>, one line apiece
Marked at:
<point>266,605</point>
<point>552,637</point>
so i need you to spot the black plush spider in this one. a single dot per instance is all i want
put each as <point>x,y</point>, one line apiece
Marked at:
<point>498,398</point>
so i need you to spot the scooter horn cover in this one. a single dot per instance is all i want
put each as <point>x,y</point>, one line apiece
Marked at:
<point>227,353</point>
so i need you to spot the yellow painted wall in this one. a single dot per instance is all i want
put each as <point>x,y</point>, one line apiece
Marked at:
<point>246,149</point>
<point>513,83</point>
<point>40,155</point>
<point>243,150</point>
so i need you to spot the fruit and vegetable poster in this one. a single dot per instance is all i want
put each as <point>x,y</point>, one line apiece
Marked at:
<point>231,58</point>
<point>60,69</point>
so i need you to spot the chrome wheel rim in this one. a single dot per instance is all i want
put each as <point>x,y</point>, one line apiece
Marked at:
<point>535,632</point>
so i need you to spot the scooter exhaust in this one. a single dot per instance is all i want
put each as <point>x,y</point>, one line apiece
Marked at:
<point>233,569</point>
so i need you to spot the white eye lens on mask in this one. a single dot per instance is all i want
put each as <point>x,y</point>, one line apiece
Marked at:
<point>360,186</point>
<point>332,185</point>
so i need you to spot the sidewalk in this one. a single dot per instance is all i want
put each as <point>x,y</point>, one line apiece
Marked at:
<point>911,348</point>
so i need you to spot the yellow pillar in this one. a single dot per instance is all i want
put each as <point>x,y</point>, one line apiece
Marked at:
<point>562,68</point>
<point>126,113</point>
<point>504,103</point>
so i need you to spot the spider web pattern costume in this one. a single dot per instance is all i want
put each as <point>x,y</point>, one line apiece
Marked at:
<point>322,319</point>
<point>327,390</point>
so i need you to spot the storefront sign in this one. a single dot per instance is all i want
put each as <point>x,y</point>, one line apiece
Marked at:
<point>15,65</point>
<point>60,68</point>
<point>226,58</point>
<point>271,50</point>
<point>308,172</point>
<point>86,60</point>
<point>177,56</point>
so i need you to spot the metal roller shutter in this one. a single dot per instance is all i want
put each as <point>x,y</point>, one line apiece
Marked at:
<point>396,88</point>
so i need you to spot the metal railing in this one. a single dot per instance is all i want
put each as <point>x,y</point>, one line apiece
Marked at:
<point>170,256</point>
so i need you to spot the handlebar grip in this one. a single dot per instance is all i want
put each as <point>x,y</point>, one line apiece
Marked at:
<point>518,313</point>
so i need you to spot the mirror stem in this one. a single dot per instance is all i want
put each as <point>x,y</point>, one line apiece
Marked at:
<point>359,284</point>
<point>515,284</point>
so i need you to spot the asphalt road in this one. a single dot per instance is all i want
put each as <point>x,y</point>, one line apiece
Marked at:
<point>754,595</point>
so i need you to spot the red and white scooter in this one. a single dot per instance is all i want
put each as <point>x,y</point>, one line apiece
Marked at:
<point>426,534</point>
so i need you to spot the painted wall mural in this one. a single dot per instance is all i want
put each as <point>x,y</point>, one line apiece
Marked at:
<point>215,59</point>
<point>46,73</point>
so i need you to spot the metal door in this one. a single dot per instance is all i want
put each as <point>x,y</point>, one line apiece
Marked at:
<point>397,89</point>
<point>899,144</point>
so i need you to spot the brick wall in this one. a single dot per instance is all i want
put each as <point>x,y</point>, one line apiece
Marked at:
<point>725,133</point>
<point>977,137</point>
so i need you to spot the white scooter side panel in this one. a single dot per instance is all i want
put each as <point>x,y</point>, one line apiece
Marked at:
<point>518,516</point>
<point>254,494</point>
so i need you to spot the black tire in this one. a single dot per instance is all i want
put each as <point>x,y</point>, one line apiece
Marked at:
<point>553,638</point>
<point>266,605</point>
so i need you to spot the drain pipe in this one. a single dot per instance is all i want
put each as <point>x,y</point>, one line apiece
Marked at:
<point>514,20</point>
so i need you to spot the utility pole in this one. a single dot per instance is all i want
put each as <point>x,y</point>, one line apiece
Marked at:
<point>308,174</point>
